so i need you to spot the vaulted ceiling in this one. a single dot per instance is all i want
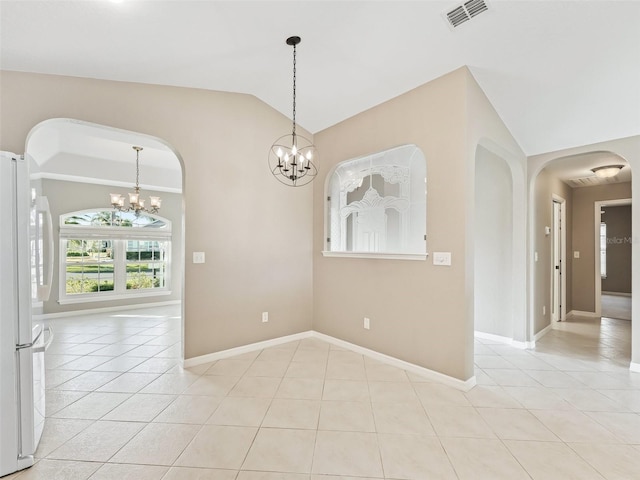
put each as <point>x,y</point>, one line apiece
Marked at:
<point>559,73</point>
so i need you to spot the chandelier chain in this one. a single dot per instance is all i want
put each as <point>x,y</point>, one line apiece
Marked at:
<point>294,91</point>
<point>137,169</point>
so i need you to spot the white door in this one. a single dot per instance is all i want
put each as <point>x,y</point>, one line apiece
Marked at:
<point>556,290</point>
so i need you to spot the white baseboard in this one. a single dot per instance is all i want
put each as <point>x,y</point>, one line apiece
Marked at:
<point>580,313</point>
<point>617,294</point>
<point>505,340</point>
<point>634,367</point>
<point>90,311</point>
<point>464,385</point>
<point>544,331</point>
<point>252,347</point>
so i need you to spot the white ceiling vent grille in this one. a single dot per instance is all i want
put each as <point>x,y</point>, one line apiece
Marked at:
<point>465,12</point>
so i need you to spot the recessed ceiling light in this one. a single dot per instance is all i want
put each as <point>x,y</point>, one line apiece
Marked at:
<point>607,171</point>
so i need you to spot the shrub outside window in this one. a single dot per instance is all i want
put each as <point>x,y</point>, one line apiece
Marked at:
<point>108,254</point>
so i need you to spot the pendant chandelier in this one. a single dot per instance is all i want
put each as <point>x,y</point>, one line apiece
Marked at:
<point>136,204</point>
<point>292,156</point>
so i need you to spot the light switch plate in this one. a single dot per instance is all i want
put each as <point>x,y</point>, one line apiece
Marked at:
<point>198,257</point>
<point>442,258</point>
<point>576,254</point>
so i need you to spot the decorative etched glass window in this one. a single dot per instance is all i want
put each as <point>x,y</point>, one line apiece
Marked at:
<point>106,254</point>
<point>377,204</point>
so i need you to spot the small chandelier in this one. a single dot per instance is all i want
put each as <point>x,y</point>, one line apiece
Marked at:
<point>291,157</point>
<point>136,204</point>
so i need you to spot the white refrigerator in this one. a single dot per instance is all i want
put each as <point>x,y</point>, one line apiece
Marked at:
<point>25,279</point>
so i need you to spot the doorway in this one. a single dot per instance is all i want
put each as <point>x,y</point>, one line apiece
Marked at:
<point>558,265</point>
<point>613,265</point>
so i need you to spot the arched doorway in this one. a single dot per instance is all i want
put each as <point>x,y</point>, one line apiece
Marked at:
<point>77,164</point>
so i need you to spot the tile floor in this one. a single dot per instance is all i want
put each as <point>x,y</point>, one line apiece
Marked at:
<point>616,306</point>
<point>121,407</point>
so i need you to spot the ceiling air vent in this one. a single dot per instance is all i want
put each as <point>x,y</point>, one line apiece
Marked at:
<point>466,11</point>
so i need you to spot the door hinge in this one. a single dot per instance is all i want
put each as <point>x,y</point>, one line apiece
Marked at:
<point>328,199</point>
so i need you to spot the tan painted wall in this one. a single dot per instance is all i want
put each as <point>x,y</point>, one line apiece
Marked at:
<point>419,312</point>
<point>65,197</point>
<point>256,233</point>
<point>618,220</point>
<point>546,186</point>
<point>584,198</point>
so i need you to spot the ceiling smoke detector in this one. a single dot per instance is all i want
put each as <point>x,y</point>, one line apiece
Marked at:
<point>465,11</point>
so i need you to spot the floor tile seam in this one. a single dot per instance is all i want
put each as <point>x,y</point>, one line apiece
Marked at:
<point>586,458</point>
<point>73,436</point>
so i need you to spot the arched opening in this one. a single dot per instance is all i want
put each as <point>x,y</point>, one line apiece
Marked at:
<point>76,165</point>
<point>585,195</point>
<point>493,256</point>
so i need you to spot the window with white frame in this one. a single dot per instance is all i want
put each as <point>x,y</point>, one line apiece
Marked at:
<point>376,205</point>
<point>603,250</point>
<point>107,254</point>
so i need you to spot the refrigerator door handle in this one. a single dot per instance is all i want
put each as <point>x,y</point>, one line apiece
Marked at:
<point>20,346</point>
<point>43,348</point>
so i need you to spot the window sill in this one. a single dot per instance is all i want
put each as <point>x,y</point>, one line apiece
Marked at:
<point>377,256</point>
<point>108,298</point>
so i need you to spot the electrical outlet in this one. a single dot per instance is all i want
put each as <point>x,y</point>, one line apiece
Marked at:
<point>367,323</point>
<point>265,317</point>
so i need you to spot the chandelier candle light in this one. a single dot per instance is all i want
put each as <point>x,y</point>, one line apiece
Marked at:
<point>136,204</point>
<point>291,157</point>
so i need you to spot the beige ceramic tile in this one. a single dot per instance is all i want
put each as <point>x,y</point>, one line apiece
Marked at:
<point>459,422</point>
<point>380,372</point>
<point>300,388</point>
<point>171,383</point>
<point>292,413</point>
<point>347,453</point>
<point>115,471</point>
<point>538,398</point>
<point>281,450</point>
<point>612,461</point>
<point>229,367</point>
<point>141,407</point>
<point>307,370</point>
<point>247,475</point>
<point>152,365</point>
<point>59,470</point>
<point>491,396</point>
<point>119,364</point>
<point>57,431</point>
<point>186,473</point>
<point>259,387</point>
<point>407,418</point>
<point>93,406</point>
<point>392,392</point>
<point>157,444</point>
<point>310,355</point>
<point>218,446</point>
<point>551,461</point>
<point>343,370</point>
<point>267,368</point>
<point>189,409</point>
<point>98,442</point>
<point>346,416</point>
<point>574,426</point>
<point>414,457</point>
<point>516,424</point>
<point>88,381</point>
<point>213,385</point>
<point>437,394</point>
<point>129,382</point>
<point>346,390</point>
<point>625,426</point>
<point>240,411</point>
<point>482,459</point>
<point>56,400</point>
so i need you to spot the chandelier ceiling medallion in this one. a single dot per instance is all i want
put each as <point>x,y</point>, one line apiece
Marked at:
<point>292,156</point>
<point>136,204</point>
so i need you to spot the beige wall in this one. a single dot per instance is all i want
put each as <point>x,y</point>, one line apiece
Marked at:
<point>546,186</point>
<point>584,198</point>
<point>419,312</point>
<point>618,220</point>
<point>255,232</point>
<point>65,197</point>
